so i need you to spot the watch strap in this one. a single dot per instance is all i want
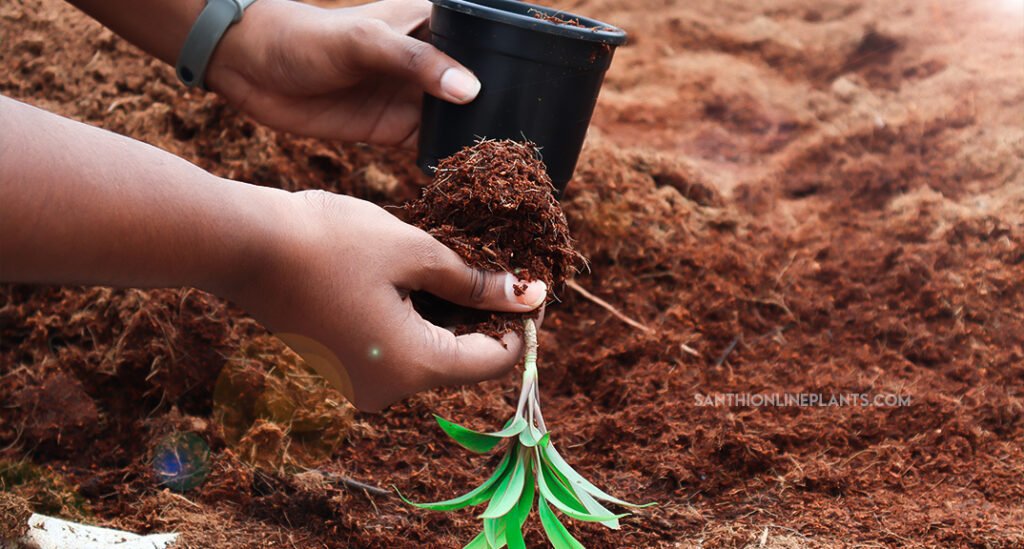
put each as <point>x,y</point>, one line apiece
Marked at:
<point>203,38</point>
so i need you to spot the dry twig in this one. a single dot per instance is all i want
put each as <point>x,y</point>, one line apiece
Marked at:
<point>606,306</point>
<point>356,485</point>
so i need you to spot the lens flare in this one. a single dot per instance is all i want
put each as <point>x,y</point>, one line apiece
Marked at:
<point>181,461</point>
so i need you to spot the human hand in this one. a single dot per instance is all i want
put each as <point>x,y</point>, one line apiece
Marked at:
<point>329,274</point>
<point>352,74</point>
<point>336,289</point>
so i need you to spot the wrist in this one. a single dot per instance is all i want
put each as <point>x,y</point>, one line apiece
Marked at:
<point>254,236</point>
<point>244,47</point>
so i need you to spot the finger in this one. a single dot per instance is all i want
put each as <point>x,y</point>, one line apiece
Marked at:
<point>403,16</point>
<point>413,99</point>
<point>437,269</point>
<point>375,47</point>
<point>471,358</point>
<point>411,142</point>
<point>421,32</point>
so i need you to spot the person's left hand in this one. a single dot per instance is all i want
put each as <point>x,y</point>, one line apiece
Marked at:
<point>352,74</point>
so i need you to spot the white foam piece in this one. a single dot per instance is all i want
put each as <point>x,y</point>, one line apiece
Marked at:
<point>54,533</point>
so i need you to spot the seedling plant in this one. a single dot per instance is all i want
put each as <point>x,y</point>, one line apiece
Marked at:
<point>531,471</point>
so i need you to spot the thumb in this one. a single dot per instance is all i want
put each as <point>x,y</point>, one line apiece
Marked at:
<point>376,47</point>
<point>441,271</point>
<point>472,358</point>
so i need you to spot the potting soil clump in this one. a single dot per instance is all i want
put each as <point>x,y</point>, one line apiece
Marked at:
<point>493,203</point>
<point>14,516</point>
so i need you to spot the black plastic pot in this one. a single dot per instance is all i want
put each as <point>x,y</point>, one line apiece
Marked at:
<point>540,79</point>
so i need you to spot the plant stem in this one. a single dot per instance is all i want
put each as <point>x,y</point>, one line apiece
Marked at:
<point>536,407</point>
<point>530,330</point>
<point>529,398</point>
<point>526,397</point>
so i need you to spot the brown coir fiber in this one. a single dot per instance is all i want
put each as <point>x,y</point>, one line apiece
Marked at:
<point>494,204</point>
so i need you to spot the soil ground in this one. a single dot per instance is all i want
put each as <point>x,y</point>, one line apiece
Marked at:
<point>796,197</point>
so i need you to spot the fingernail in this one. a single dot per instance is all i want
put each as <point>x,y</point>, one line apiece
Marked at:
<point>460,85</point>
<point>530,294</point>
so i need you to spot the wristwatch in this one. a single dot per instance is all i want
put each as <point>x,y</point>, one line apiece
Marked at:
<point>206,33</point>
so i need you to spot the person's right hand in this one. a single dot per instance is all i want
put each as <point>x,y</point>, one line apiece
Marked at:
<point>352,74</point>
<point>335,288</point>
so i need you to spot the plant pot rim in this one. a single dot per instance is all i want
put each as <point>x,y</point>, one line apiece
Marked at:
<point>591,31</point>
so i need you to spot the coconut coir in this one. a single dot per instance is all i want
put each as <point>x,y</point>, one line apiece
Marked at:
<point>557,20</point>
<point>14,516</point>
<point>493,203</point>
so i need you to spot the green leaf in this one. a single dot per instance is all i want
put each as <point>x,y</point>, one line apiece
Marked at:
<point>479,542</point>
<point>530,436</point>
<point>595,508</point>
<point>579,483</point>
<point>544,440</point>
<point>566,502</point>
<point>476,441</point>
<point>592,506</point>
<point>513,532</point>
<point>536,432</point>
<point>526,500</point>
<point>507,494</point>
<point>527,439</point>
<point>560,537</point>
<point>515,520</point>
<point>491,532</point>
<point>559,490</point>
<point>479,495</point>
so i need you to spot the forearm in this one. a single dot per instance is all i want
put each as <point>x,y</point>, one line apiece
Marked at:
<point>81,205</point>
<point>160,26</point>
